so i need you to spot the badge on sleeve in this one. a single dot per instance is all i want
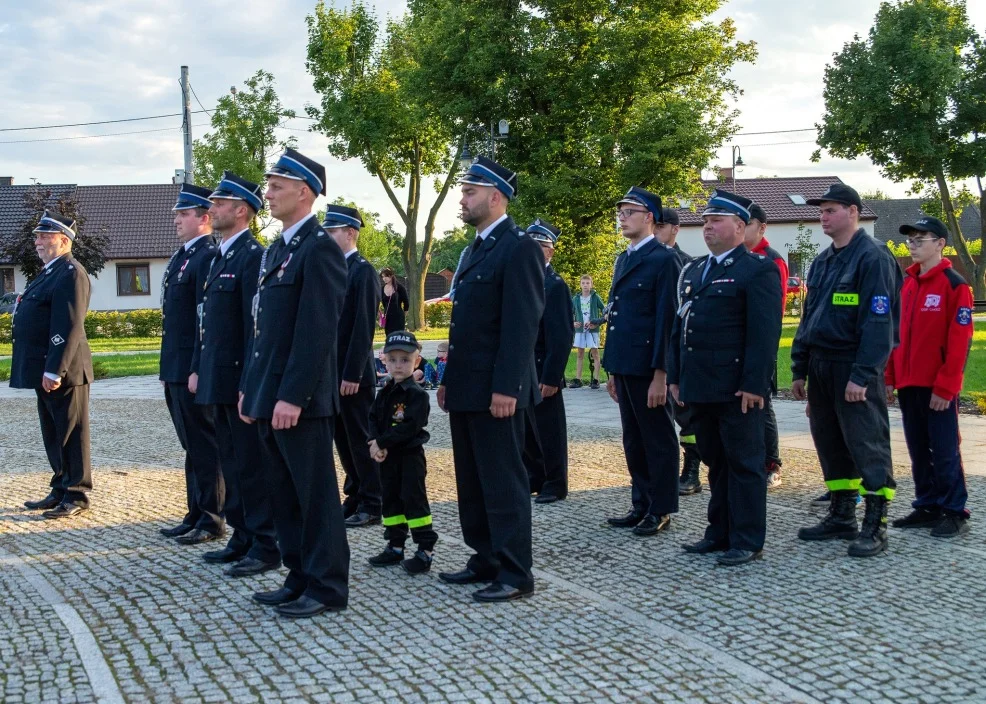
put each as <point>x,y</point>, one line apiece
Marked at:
<point>880,305</point>
<point>964,316</point>
<point>57,340</point>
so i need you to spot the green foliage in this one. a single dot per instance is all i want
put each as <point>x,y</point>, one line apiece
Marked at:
<point>438,315</point>
<point>803,251</point>
<point>380,245</point>
<point>108,324</point>
<point>446,250</point>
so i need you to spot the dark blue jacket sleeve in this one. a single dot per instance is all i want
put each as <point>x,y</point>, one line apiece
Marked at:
<point>763,329</point>
<point>665,307</point>
<point>557,333</point>
<point>366,304</point>
<point>522,306</point>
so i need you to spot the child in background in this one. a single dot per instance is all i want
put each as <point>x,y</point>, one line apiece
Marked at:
<point>589,314</point>
<point>381,368</point>
<point>441,359</point>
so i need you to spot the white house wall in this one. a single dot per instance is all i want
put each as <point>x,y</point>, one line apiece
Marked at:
<point>104,296</point>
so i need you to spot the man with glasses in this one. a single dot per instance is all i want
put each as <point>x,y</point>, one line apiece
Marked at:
<point>927,369</point>
<point>642,300</point>
<point>845,337</point>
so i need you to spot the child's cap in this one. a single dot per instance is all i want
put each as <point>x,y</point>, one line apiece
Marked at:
<point>401,340</point>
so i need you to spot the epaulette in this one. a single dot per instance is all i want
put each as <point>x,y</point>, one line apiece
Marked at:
<point>954,278</point>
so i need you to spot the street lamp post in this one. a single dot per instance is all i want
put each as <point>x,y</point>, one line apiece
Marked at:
<point>498,131</point>
<point>737,161</point>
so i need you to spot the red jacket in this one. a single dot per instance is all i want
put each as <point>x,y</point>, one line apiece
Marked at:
<point>763,247</point>
<point>935,331</point>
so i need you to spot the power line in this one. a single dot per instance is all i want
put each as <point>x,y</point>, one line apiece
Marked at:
<point>197,99</point>
<point>774,144</point>
<point>750,134</point>
<point>94,136</point>
<point>99,122</point>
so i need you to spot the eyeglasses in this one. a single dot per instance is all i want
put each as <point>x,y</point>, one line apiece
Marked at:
<point>624,213</point>
<point>918,241</point>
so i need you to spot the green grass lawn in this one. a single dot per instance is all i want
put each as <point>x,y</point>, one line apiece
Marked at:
<point>123,344</point>
<point>111,366</point>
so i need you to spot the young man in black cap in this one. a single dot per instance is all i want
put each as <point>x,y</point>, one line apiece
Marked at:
<point>291,388</point>
<point>846,334</point>
<point>181,296</point>
<point>722,349</point>
<point>642,302</point>
<point>223,344</point>
<point>398,418</point>
<point>667,233</point>
<point>490,379</point>
<point>357,378</point>
<point>51,355</point>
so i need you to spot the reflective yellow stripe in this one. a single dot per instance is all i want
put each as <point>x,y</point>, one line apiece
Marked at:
<point>394,520</point>
<point>687,439</point>
<point>886,492</point>
<point>419,522</point>
<point>844,484</point>
<point>845,299</point>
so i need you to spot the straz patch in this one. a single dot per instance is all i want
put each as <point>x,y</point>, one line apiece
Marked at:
<point>880,305</point>
<point>964,316</point>
<point>57,340</point>
<point>845,299</point>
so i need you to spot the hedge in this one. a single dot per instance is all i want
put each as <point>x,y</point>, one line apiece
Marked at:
<point>438,315</point>
<point>107,325</point>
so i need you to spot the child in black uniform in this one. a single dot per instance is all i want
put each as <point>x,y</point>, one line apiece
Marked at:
<point>397,436</point>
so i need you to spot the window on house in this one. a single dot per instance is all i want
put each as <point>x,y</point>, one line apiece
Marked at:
<point>133,279</point>
<point>7,279</point>
<point>797,199</point>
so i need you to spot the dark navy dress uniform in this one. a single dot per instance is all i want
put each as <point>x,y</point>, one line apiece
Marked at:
<point>195,425</point>
<point>294,359</point>
<point>225,337</point>
<point>49,337</point>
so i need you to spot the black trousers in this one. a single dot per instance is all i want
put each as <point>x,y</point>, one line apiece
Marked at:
<point>405,498</point>
<point>731,443</point>
<point>64,416</point>
<point>248,507</point>
<point>494,495</point>
<point>552,430</point>
<point>650,444</point>
<point>933,443</point>
<point>362,483</point>
<point>307,512</point>
<point>852,439</point>
<point>771,438</point>
<point>204,485</point>
<point>533,452</point>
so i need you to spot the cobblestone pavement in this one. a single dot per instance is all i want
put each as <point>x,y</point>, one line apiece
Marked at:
<point>104,609</point>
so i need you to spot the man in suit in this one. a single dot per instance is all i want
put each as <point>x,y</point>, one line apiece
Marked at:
<point>51,355</point>
<point>290,387</point>
<point>548,435</point>
<point>357,378</point>
<point>490,379</point>
<point>722,350</point>
<point>225,334</point>
<point>642,303</point>
<point>181,296</point>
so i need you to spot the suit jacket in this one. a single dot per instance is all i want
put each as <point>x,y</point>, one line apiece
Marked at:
<point>49,327</point>
<point>226,326</point>
<point>499,298</point>
<point>727,328</point>
<point>642,303</point>
<point>294,353</point>
<point>182,284</point>
<point>554,342</point>
<point>358,322</point>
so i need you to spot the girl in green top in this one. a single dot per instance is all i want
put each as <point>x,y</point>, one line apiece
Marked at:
<point>588,316</point>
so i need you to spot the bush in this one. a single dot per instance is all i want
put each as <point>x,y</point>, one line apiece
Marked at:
<point>793,304</point>
<point>438,315</point>
<point>107,325</point>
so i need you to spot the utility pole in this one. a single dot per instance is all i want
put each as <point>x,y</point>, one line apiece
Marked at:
<point>186,126</point>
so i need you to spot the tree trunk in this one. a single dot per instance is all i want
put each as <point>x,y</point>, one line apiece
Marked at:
<point>977,271</point>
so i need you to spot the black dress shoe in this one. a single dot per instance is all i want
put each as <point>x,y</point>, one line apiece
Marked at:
<point>276,597</point>
<point>221,557</point>
<point>197,536</point>
<point>651,524</point>
<point>501,592</point>
<point>627,521</point>
<point>64,510</point>
<point>180,529</point>
<point>305,607</point>
<point>50,501</point>
<point>362,518</point>
<point>249,566</point>
<point>463,576</point>
<point>547,499</point>
<point>735,556</point>
<point>704,546</point>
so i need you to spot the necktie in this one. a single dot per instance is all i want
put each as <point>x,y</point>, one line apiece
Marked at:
<point>477,243</point>
<point>708,265</point>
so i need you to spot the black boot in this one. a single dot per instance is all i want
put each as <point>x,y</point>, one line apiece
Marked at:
<point>690,482</point>
<point>840,522</point>
<point>872,538</point>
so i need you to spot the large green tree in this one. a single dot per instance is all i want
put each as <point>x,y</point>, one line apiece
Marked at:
<point>242,138</point>
<point>912,97</point>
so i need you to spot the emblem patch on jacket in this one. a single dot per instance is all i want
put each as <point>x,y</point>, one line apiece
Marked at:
<point>964,316</point>
<point>57,340</point>
<point>880,305</point>
<point>399,413</point>
<point>932,300</point>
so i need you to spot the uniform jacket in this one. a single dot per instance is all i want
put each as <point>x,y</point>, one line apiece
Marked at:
<point>683,257</point>
<point>763,247</point>
<point>642,305</point>
<point>183,291</point>
<point>358,321</point>
<point>727,328</point>
<point>852,309</point>
<point>935,331</point>
<point>554,340</point>
<point>399,415</point>
<point>294,353</point>
<point>49,327</point>
<point>226,326</point>
<point>597,312</point>
<point>499,298</point>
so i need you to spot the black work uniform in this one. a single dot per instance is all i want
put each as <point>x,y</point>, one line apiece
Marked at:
<point>356,326</point>
<point>546,439</point>
<point>397,422</point>
<point>194,424</point>
<point>847,332</point>
<point>683,414</point>
<point>642,305</point>
<point>300,296</point>
<point>225,334</point>
<point>499,297</point>
<point>725,340</point>
<point>49,335</point>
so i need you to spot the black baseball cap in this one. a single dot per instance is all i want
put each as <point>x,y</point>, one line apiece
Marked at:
<point>928,224</point>
<point>669,216</point>
<point>839,193</point>
<point>401,340</point>
<point>757,213</point>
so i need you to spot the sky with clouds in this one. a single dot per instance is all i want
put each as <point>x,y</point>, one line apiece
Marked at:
<point>67,61</point>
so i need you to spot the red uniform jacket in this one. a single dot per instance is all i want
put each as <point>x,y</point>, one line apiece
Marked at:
<point>935,331</point>
<point>763,247</point>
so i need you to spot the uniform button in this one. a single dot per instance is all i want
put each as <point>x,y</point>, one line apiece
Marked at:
<point>452,325</point>
<point>617,298</point>
<point>736,360</point>
<point>163,333</point>
<point>261,288</point>
<point>236,363</point>
<point>455,303</point>
<point>612,328</point>
<point>205,298</point>
<point>260,310</point>
<point>690,330</point>
<point>689,349</point>
<point>256,355</point>
<point>615,312</point>
<point>451,347</point>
